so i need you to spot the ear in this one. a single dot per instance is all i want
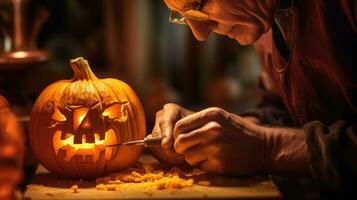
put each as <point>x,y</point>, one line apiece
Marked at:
<point>201,29</point>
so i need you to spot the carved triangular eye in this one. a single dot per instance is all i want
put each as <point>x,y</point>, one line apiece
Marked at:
<point>113,111</point>
<point>58,116</point>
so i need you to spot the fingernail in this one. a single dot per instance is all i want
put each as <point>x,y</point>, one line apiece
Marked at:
<point>164,140</point>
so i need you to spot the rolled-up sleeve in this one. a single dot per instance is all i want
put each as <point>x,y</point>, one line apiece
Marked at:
<point>332,154</point>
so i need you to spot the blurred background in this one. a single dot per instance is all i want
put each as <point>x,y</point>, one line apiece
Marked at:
<point>130,40</point>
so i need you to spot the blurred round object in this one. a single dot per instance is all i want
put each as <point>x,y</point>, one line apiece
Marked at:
<point>21,59</point>
<point>11,151</point>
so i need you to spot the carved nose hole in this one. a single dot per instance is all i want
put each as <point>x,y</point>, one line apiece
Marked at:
<point>78,117</point>
<point>86,123</point>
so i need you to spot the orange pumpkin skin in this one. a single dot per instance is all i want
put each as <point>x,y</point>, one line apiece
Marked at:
<point>73,120</point>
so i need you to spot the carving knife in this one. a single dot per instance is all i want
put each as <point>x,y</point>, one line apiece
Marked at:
<point>146,142</point>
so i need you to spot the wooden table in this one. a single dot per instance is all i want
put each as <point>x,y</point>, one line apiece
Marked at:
<point>47,186</point>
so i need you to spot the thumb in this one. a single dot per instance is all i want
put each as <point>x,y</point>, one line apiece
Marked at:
<point>166,129</point>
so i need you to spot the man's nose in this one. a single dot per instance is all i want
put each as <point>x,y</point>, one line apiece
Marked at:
<point>201,29</point>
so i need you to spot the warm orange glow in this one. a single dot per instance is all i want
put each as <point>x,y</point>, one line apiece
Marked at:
<point>84,149</point>
<point>20,54</point>
<point>59,146</point>
<point>113,112</point>
<point>58,116</point>
<point>78,116</point>
<point>86,123</point>
<point>116,112</point>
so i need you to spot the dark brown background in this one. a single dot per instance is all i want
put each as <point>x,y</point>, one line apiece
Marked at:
<point>132,40</point>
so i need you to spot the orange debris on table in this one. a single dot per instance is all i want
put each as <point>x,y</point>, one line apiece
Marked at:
<point>74,188</point>
<point>152,176</point>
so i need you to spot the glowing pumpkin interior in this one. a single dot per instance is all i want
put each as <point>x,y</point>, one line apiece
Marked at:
<point>73,120</point>
<point>90,144</point>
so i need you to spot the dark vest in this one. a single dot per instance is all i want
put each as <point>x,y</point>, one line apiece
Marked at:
<point>313,60</point>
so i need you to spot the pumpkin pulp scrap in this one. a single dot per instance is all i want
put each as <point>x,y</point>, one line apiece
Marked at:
<point>152,175</point>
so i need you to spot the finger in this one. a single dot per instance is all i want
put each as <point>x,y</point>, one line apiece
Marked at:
<point>196,154</point>
<point>166,128</point>
<point>199,119</point>
<point>166,120</point>
<point>212,165</point>
<point>184,112</point>
<point>156,130</point>
<point>198,136</point>
<point>186,141</point>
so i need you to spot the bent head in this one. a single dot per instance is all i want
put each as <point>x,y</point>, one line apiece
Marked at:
<point>242,20</point>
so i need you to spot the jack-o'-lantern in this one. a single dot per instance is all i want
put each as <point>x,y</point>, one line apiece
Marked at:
<point>11,151</point>
<point>73,120</point>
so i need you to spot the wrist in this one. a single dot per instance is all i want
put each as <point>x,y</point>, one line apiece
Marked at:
<point>285,151</point>
<point>267,142</point>
<point>251,127</point>
<point>270,141</point>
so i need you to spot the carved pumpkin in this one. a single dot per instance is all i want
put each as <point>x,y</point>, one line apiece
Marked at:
<point>11,151</point>
<point>73,120</point>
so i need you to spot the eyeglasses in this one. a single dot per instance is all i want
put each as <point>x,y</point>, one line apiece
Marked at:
<point>196,15</point>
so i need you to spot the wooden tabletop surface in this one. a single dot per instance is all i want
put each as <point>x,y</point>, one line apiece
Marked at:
<point>48,186</point>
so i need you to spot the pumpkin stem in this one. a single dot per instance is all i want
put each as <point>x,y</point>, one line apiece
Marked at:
<point>82,70</point>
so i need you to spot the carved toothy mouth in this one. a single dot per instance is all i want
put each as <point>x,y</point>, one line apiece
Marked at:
<point>84,149</point>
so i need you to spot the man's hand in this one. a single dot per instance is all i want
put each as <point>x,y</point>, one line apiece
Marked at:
<point>164,126</point>
<point>220,142</point>
<point>212,138</point>
<point>225,143</point>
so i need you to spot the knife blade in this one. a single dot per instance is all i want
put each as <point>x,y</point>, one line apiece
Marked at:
<point>146,142</point>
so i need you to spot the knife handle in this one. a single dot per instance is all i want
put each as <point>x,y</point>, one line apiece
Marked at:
<point>152,141</point>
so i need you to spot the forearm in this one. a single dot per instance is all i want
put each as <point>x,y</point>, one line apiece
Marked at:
<point>284,149</point>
